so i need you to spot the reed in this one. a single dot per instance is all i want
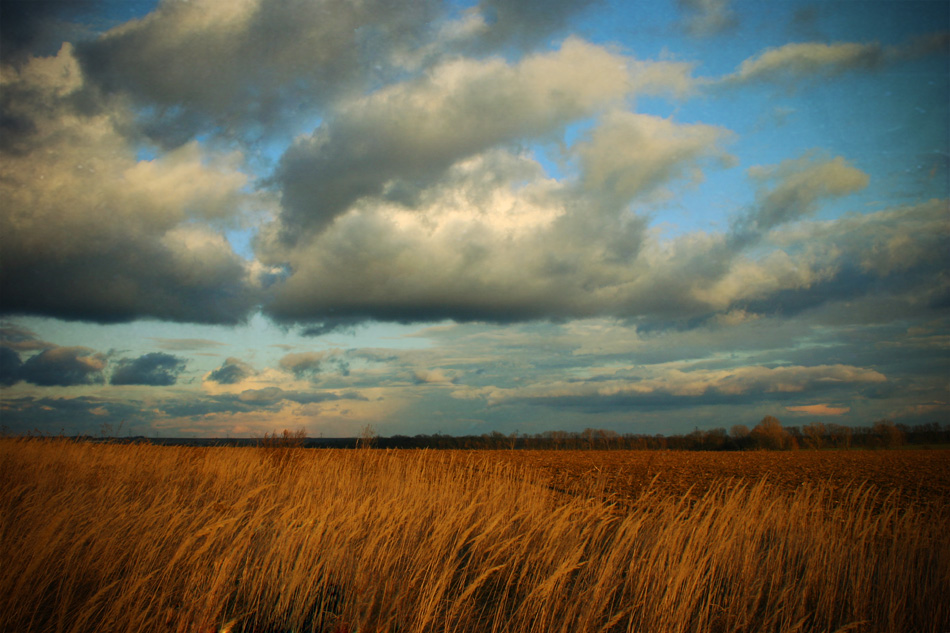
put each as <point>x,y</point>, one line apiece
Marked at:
<point>100,537</point>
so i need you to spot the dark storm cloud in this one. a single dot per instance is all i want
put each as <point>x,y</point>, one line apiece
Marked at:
<point>246,66</point>
<point>72,416</point>
<point>90,232</point>
<point>155,369</point>
<point>10,365</point>
<point>901,253</point>
<point>525,23</point>
<point>129,281</point>
<point>64,367</point>
<point>30,26</point>
<point>231,372</point>
<point>243,68</point>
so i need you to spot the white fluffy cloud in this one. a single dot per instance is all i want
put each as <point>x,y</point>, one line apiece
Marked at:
<point>495,239</point>
<point>406,135</point>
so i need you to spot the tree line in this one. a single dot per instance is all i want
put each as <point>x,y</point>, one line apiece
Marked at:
<point>768,434</point>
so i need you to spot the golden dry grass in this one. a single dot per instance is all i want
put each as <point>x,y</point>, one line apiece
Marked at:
<point>147,538</point>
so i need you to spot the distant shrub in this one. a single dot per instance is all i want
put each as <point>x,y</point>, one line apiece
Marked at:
<point>279,448</point>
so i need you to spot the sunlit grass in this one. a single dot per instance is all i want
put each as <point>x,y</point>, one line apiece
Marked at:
<point>148,538</point>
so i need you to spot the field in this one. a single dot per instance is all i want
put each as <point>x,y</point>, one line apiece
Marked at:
<point>109,537</point>
<point>922,477</point>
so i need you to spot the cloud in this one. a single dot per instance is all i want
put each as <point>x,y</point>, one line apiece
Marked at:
<point>797,186</point>
<point>675,385</point>
<point>793,63</point>
<point>434,377</point>
<point>408,134</point>
<point>186,344</point>
<point>937,43</point>
<point>273,395</point>
<point>64,367</point>
<point>27,26</point>
<point>303,363</point>
<point>252,64</point>
<point>523,23</point>
<point>266,395</point>
<point>630,155</point>
<point>90,232</point>
<point>231,372</point>
<point>801,62</point>
<point>10,365</point>
<point>84,415</point>
<point>707,17</point>
<point>898,256</point>
<point>156,369</point>
<point>308,364</point>
<point>494,239</point>
<point>21,339</point>
<point>819,409</point>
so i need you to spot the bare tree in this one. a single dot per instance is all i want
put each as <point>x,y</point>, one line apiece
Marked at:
<point>770,434</point>
<point>815,434</point>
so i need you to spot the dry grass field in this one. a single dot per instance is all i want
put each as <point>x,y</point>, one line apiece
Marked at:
<point>140,538</point>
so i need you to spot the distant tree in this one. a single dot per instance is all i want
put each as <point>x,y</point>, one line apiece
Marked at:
<point>588,435</point>
<point>283,439</point>
<point>839,435</point>
<point>770,434</point>
<point>815,434</point>
<point>887,434</point>
<point>367,438</point>
<point>715,439</point>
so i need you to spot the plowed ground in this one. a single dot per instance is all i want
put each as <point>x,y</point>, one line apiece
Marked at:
<point>918,477</point>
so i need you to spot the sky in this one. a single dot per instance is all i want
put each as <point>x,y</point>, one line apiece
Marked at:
<point>220,218</point>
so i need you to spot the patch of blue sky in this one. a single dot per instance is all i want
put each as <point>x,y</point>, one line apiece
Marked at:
<point>375,334</point>
<point>242,241</point>
<point>554,156</point>
<point>146,153</point>
<point>889,23</point>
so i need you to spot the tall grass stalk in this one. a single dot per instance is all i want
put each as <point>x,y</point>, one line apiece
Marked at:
<point>148,538</point>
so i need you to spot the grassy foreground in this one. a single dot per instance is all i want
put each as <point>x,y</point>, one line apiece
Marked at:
<point>147,538</point>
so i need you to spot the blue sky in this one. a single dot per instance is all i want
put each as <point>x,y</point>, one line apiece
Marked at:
<point>226,218</point>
